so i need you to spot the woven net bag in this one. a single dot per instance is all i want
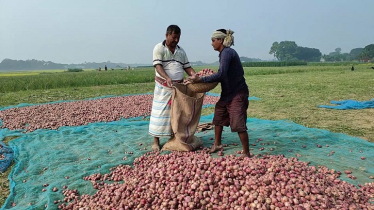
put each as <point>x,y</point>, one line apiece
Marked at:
<point>202,87</point>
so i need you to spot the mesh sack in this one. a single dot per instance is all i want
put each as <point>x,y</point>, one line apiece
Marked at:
<point>202,87</point>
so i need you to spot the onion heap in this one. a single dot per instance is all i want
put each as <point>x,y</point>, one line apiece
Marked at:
<point>205,72</point>
<point>53,116</point>
<point>195,180</point>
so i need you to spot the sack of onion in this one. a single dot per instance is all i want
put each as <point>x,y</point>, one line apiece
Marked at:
<point>185,116</point>
<point>203,87</point>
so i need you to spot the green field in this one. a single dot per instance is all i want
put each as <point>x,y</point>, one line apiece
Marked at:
<point>28,73</point>
<point>291,93</point>
<point>287,92</point>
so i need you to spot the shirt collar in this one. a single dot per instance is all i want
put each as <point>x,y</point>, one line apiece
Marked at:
<point>219,55</point>
<point>164,43</point>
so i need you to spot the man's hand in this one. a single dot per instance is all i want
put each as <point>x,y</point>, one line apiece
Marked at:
<point>192,79</point>
<point>186,82</point>
<point>169,82</point>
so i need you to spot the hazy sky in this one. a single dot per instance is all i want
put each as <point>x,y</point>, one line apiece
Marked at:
<point>77,31</point>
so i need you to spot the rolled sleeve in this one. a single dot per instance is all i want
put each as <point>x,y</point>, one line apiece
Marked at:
<point>186,64</point>
<point>157,55</point>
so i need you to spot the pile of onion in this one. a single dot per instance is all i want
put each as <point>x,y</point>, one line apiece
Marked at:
<point>205,72</point>
<point>195,180</point>
<point>53,116</point>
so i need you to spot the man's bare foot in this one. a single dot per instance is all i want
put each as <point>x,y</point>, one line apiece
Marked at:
<point>155,147</point>
<point>215,148</point>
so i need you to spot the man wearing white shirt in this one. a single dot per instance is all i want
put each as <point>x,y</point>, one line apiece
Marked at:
<point>170,62</point>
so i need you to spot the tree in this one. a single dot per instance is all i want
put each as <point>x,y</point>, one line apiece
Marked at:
<point>355,53</point>
<point>284,51</point>
<point>345,57</point>
<point>338,50</point>
<point>289,51</point>
<point>337,56</point>
<point>308,54</point>
<point>367,53</point>
<point>274,49</point>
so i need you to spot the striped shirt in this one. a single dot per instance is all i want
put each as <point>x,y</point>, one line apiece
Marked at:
<point>230,74</point>
<point>173,64</point>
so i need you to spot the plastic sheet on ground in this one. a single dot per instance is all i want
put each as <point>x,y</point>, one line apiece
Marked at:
<point>350,104</point>
<point>64,156</point>
<point>6,157</point>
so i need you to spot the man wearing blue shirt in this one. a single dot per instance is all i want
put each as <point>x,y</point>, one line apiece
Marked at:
<point>231,109</point>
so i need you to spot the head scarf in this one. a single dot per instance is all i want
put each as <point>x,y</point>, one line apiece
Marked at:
<point>228,38</point>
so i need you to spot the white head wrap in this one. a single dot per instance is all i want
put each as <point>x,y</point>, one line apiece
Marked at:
<point>228,38</point>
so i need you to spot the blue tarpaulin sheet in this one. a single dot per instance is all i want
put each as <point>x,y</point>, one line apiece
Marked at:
<point>350,104</point>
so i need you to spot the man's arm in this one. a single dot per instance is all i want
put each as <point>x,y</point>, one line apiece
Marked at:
<point>157,63</point>
<point>222,71</point>
<point>217,77</point>
<point>160,70</point>
<point>190,71</point>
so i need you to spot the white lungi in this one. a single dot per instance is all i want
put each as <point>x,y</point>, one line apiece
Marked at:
<point>159,124</point>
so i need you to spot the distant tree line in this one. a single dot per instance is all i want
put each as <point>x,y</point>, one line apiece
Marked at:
<point>282,51</point>
<point>9,64</point>
<point>367,53</point>
<point>290,51</point>
<point>357,54</point>
<point>274,64</point>
<point>246,59</point>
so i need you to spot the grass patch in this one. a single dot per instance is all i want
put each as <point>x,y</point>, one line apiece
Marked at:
<point>29,72</point>
<point>75,70</point>
<point>74,79</point>
<point>7,139</point>
<point>296,97</point>
<point>4,185</point>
